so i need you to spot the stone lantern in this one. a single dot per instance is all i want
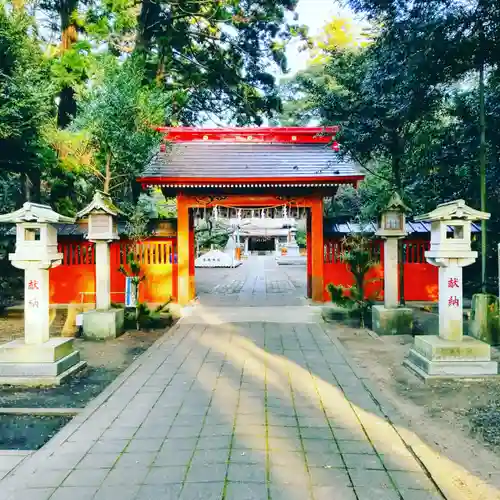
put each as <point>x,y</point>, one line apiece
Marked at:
<point>390,318</point>
<point>37,359</point>
<point>103,322</point>
<point>451,354</point>
<point>292,256</point>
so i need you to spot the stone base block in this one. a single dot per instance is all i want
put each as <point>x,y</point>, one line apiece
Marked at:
<point>48,352</point>
<point>434,357</point>
<point>44,364</point>
<point>102,325</point>
<point>484,323</point>
<point>41,380</point>
<point>291,260</point>
<point>435,348</point>
<point>397,321</point>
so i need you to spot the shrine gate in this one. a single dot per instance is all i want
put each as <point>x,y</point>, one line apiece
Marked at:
<point>249,167</point>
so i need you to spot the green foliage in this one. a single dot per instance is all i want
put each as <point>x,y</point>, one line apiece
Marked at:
<point>11,279</point>
<point>301,238</point>
<point>359,260</point>
<point>117,116</point>
<point>134,272</point>
<point>26,105</point>
<point>147,318</point>
<point>210,233</point>
<point>220,53</point>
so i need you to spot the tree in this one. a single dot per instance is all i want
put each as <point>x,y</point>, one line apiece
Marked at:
<point>221,53</point>
<point>471,43</point>
<point>340,34</point>
<point>26,105</point>
<point>116,123</point>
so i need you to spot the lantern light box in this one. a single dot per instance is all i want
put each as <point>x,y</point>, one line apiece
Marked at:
<point>102,215</point>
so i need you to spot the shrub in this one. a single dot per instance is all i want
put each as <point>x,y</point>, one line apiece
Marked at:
<point>359,259</point>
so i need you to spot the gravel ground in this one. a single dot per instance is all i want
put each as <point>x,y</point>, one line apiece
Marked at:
<point>27,432</point>
<point>460,419</point>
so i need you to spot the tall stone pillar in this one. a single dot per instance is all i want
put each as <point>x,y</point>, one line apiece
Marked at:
<point>36,304</point>
<point>391,298</point>
<point>102,276</point>
<point>451,316</point>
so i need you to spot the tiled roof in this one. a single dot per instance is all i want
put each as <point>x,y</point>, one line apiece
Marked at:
<point>199,160</point>
<point>330,227</point>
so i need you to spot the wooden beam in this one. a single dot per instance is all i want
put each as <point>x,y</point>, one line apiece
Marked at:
<point>317,280</point>
<point>183,252</point>
<point>192,285</point>
<point>309,254</point>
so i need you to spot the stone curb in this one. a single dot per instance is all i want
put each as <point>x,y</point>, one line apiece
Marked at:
<point>45,412</point>
<point>453,481</point>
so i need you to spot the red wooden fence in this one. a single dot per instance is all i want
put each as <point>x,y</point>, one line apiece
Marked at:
<point>420,278</point>
<point>74,280</point>
<point>157,260</point>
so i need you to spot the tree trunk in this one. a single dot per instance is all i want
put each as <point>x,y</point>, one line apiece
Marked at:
<point>36,185</point>
<point>69,35</point>
<point>26,186</point>
<point>160,70</point>
<point>482,174</point>
<point>107,175</point>
<point>143,40</point>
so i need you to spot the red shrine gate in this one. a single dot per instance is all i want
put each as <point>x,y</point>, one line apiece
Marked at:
<point>235,167</point>
<point>249,167</point>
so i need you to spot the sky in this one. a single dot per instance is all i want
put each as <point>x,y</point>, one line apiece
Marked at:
<point>315,14</point>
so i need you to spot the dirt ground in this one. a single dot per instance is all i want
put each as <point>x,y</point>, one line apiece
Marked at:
<point>105,360</point>
<point>460,420</point>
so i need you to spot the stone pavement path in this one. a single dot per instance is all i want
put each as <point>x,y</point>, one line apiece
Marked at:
<point>9,459</point>
<point>234,411</point>
<point>258,282</point>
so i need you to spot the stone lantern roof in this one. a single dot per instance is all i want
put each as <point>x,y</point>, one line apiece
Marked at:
<point>36,212</point>
<point>100,203</point>
<point>396,203</point>
<point>453,210</point>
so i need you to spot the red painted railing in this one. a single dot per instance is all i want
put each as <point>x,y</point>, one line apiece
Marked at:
<point>337,272</point>
<point>157,260</point>
<point>420,278</point>
<point>74,280</point>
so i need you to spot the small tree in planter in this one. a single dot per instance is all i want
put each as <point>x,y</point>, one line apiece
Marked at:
<point>356,298</point>
<point>136,276</point>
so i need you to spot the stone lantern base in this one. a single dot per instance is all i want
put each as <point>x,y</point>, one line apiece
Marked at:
<point>45,364</point>
<point>103,325</point>
<point>434,357</point>
<point>392,320</point>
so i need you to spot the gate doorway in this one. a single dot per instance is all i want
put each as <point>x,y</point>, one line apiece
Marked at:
<point>249,167</point>
<point>261,244</point>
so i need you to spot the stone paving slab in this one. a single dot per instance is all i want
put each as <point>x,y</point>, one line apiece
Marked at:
<point>258,283</point>
<point>234,411</point>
